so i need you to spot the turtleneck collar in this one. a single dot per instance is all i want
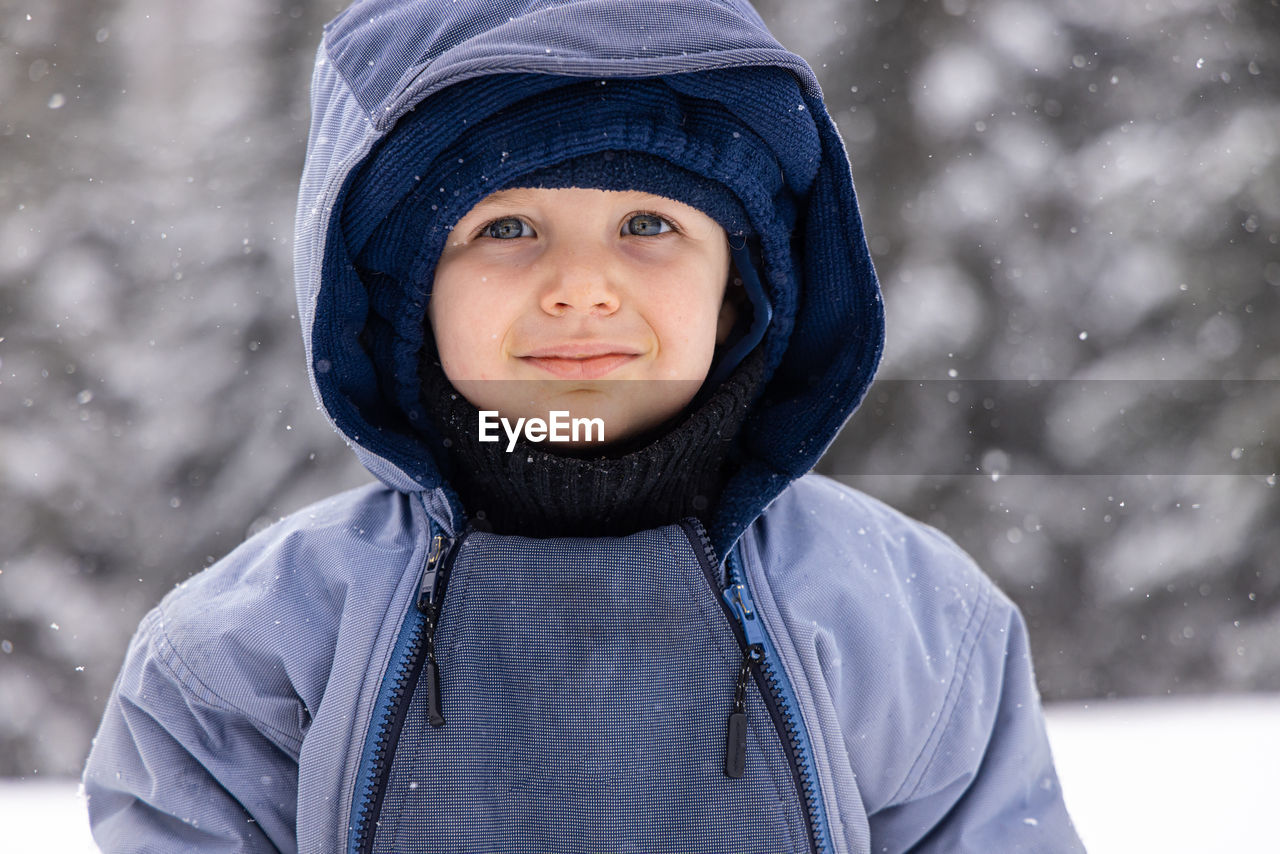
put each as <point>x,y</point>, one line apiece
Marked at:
<point>676,471</point>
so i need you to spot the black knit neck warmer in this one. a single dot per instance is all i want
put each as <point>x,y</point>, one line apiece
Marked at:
<point>537,493</point>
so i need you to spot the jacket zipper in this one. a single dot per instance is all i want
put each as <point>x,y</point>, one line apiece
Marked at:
<point>735,600</point>
<point>420,653</point>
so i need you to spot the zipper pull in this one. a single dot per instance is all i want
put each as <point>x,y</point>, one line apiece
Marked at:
<point>434,714</point>
<point>435,575</point>
<point>735,751</point>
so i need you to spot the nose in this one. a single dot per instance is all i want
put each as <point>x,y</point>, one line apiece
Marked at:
<point>579,279</point>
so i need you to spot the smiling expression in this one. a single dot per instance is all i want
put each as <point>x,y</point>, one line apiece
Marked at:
<point>605,304</point>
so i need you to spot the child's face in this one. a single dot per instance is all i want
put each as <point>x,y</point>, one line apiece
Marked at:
<point>545,298</point>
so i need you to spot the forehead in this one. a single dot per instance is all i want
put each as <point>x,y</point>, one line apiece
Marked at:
<point>569,196</point>
<point>518,196</point>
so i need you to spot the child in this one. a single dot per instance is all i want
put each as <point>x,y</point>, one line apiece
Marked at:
<point>519,220</point>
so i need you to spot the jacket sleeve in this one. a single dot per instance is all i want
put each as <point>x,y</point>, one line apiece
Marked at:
<point>988,781</point>
<point>174,767</point>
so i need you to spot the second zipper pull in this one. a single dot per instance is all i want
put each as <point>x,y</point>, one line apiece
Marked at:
<point>434,715</point>
<point>735,748</point>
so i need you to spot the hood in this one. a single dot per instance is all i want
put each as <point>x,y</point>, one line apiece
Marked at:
<point>382,59</point>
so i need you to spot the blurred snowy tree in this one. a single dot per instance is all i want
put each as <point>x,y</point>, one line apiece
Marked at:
<point>1054,191</point>
<point>1089,192</point>
<point>154,404</point>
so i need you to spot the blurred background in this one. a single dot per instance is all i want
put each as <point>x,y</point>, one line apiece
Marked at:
<point>1074,208</point>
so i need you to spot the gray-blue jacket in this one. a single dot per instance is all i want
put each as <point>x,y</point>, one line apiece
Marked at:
<point>812,671</point>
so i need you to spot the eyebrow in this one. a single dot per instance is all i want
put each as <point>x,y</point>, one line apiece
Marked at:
<point>514,196</point>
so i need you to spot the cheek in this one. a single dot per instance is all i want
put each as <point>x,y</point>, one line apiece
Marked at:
<point>687,330</point>
<point>463,327</point>
<point>701,300</point>
<point>468,349</point>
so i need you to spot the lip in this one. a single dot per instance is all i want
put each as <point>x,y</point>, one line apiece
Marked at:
<point>588,368</point>
<point>580,350</point>
<point>582,360</point>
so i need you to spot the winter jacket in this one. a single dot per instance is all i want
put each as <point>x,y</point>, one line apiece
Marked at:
<point>811,671</point>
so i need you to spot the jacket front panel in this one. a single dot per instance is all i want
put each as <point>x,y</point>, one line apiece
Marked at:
<point>586,687</point>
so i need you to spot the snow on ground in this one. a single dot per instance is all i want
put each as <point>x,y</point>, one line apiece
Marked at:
<point>44,817</point>
<point>1171,776</point>
<point>1167,776</point>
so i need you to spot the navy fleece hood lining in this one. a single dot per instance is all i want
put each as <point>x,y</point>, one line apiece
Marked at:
<point>397,241</point>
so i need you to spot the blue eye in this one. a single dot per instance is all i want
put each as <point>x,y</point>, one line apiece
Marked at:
<point>508,228</point>
<point>645,225</point>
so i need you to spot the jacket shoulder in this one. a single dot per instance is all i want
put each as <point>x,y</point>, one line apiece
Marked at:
<point>917,671</point>
<point>305,562</point>
<point>257,630</point>
<point>881,546</point>
<point>892,626</point>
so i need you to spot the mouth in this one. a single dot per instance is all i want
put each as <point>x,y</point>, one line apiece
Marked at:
<point>585,361</point>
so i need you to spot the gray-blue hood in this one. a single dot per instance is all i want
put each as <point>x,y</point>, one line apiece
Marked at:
<point>383,58</point>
